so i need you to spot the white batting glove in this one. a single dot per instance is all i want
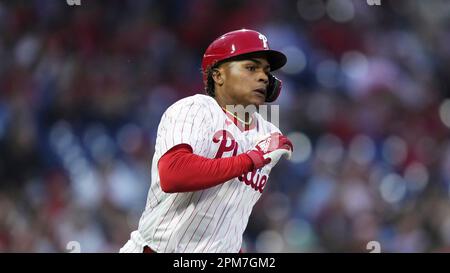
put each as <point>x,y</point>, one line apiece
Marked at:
<point>270,150</point>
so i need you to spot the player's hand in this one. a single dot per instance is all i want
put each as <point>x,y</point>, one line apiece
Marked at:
<point>270,150</point>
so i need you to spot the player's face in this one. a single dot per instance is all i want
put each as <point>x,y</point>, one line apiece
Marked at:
<point>245,81</point>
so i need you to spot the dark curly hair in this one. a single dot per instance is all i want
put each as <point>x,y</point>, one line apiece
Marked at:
<point>209,88</point>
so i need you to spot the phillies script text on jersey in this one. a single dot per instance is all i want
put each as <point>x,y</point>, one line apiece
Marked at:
<point>210,220</point>
<point>227,142</point>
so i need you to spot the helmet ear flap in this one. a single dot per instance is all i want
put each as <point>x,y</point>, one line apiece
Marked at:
<point>273,89</point>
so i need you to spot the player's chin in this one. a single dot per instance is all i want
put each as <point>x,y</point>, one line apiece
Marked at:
<point>257,98</point>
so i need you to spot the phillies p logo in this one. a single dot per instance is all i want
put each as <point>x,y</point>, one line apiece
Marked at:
<point>227,143</point>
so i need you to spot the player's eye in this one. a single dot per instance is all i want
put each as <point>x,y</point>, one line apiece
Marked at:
<point>251,68</point>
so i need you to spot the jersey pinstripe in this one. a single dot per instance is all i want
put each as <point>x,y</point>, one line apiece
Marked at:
<point>210,220</point>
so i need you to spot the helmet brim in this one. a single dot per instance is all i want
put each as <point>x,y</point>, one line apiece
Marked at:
<point>276,59</point>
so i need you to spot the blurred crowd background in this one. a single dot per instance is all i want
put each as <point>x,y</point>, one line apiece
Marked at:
<point>365,101</point>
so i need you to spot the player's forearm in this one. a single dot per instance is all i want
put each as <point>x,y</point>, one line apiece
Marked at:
<point>182,171</point>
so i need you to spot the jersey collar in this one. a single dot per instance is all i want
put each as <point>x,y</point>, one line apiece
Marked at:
<point>243,126</point>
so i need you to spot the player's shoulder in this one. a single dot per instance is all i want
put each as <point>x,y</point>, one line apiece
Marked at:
<point>197,105</point>
<point>198,100</point>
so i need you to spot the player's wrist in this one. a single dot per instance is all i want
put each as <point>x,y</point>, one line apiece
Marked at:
<point>258,159</point>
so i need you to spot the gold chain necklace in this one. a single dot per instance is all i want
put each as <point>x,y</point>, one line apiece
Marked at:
<point>246,123</point>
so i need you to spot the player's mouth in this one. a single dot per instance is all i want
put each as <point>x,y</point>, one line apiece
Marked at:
<point>261,91</point>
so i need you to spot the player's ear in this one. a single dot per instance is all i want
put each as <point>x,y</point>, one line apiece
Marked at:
<point>217,75</point>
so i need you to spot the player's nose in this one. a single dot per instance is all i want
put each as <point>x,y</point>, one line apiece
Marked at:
<point>263,77</point>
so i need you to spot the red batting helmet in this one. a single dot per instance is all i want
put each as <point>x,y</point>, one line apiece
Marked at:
<point>241,42</point>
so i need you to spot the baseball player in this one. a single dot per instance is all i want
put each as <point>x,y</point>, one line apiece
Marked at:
<point>211,164</point>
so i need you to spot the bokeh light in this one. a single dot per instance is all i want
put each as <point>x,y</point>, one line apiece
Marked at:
<point>340,11</point>
<point>393,188</point>
<point>296,60</point>
<point>302,147</point>
<point>311,10</point>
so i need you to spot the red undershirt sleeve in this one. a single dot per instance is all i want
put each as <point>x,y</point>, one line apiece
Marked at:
<point>182,171</point>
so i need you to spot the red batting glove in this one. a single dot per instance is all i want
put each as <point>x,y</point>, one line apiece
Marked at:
<point>270,150</point>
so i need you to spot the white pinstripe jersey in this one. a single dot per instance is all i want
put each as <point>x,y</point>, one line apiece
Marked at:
<point>210,220</point>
